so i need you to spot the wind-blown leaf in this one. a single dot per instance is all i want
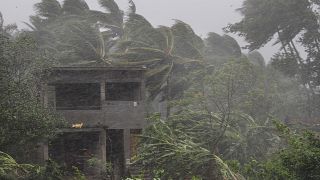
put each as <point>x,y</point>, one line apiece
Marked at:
<point>75,6</point>
<point>48,8</point>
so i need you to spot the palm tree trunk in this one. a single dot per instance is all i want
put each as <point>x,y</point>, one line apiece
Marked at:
<point>296,52</point>
<point>283,45</point>
<point>168,96</point>
<point>310,88</point>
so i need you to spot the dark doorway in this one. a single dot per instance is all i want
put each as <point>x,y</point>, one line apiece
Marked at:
<point>115,151</point>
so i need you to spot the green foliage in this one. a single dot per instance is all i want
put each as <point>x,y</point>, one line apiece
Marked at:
<point>298,160</point>
<point>285,64</point>
<point>172,150</point>
<point>22,116</point>
<point>268,170</point>
<point>52,171</point>
<point>213,118</point>
<point>221,108</point>
<point>256,58</point>
<point>291,23</point>
<point>265,18</point>
<point>168,53</point>
<point>98,165</point>
<point>208,123</point>
<point>302,156</point>
<point>11,170</point>
<point>219,49</point>
<point>72,33</point>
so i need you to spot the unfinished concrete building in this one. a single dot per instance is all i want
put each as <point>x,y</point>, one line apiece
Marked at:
<point>104,109</point>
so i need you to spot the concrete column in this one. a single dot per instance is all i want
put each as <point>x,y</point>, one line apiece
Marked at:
<point>43,152</point>
<point>102,148</point>
<point>49,99</point>
<point>44,95</point>
<point>103,91</point>
<point>126,144</point>
<point>143,91</point>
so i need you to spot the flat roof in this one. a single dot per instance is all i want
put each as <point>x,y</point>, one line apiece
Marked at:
<point>104,68</point>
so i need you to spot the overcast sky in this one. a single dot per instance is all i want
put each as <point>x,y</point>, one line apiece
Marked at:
<point>203,15</point>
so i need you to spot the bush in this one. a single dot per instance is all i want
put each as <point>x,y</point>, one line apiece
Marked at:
<point>300,159</point>
<point>11,170</point>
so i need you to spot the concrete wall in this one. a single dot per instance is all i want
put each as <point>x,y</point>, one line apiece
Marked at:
<point>113,114</point>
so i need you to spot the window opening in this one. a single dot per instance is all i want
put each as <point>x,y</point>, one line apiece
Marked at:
<point>78,96</point>
<point>119,91</point>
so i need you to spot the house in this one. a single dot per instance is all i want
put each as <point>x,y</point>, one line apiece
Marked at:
<point>104,108</point>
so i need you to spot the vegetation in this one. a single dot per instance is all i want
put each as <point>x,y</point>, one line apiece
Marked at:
<point>291,24</point>
<point>24,120</point>
<point>11,170</point>
<point>298,160</point>
<point>223,106</point>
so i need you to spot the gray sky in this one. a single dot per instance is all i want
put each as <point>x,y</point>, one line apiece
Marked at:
<point>203,15</point>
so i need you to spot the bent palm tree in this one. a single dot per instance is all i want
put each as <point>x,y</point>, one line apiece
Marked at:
<point>169,53</point>
<point>73,32</point>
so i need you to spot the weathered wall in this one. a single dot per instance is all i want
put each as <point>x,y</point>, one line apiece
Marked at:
<point>113,114</point>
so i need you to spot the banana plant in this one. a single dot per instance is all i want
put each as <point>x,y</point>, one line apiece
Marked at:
<point>10,168</point>
<point>179,155</point>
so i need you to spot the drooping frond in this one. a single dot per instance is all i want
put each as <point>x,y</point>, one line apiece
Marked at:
<point>110,6</point>
<point>188,43</point>
<point>132,7</point>
<point>108,21</point>
<point>135,24</point>
<point>75,7</point>
<point>169,39</point>
<point>48,8</point>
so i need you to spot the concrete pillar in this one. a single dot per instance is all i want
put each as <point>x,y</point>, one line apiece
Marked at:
<point>43,152</point>
<point>49,97</point>
<point>103,91</point>
<point>126,144</point>
<point>44,95</point>
<point>102,149</point>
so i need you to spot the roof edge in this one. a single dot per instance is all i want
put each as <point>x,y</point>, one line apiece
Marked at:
<point>88,68</point>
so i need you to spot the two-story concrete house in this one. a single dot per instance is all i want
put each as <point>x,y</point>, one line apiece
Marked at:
<point>104,108</point>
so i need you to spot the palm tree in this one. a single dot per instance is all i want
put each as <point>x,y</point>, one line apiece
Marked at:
<point>112,19</point>
<point>220,49</point>
<point>73,32</point>
<point>169,53</point>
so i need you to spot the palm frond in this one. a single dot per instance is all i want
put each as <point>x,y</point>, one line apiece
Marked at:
<point>157,71</point>
<point>146,51</point>
<point>131,57</point>
<point>75,6</point>
<point>167,33</point>
<point>48,8</point>
<point>145,62</point>
<point>132,7</point>
<point>110,6</point>
<point>182,61</point>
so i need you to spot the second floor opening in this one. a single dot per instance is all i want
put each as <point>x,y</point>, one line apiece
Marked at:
<point>90,96</point>
<point>78,96</point>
